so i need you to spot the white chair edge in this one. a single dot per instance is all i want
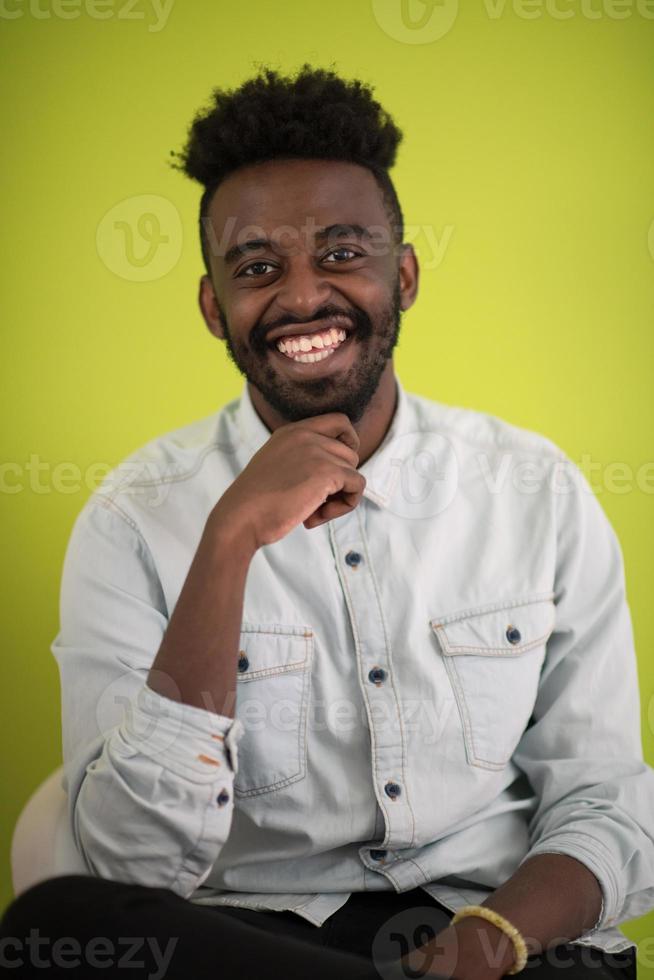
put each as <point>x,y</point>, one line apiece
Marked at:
<point>42,844</point>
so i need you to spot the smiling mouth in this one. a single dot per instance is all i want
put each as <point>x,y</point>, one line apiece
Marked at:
<point>306,359</point>
<point>303,353</point>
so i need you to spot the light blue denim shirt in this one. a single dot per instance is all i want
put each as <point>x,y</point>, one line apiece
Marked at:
<point>430,689</point>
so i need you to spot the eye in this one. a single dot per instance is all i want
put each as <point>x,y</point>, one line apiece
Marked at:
<point>342,248</point>
<point>252,266</point>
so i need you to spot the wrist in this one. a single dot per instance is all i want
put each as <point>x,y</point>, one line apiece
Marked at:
<point>486,952</point>
<point>230,536</point>
<point>473,949</point>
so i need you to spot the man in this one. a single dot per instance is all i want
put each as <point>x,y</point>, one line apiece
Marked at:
<point>325,681</point>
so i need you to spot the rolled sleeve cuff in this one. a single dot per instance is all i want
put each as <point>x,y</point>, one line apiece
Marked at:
<point>193,742</point>
<point>597,857</point>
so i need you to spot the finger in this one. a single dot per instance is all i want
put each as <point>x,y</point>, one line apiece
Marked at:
<point>335,447</point>
<point>339,503</point>
<point>334,424</point>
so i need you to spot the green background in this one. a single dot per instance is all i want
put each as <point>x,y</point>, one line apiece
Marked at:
<point>527,159</point>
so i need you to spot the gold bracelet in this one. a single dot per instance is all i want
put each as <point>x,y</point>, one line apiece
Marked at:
<point>519,945</point>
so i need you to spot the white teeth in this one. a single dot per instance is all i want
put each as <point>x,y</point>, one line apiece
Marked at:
<point>318,356</point>
<point>313,342</point>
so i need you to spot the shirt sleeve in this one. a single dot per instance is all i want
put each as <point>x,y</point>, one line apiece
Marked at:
<point>582,750</point>
<point>149,779</point>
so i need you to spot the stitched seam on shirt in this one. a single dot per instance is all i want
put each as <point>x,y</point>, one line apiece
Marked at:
<point>111,505</point>
<point>599,850</point>
<point>423,873</point>
<point>187,474</point>
<point>302,730</point>
<point>464,711</point>
<point>269,787</point>
<point>392,676</point>
<point>271,671</point>
<point>391,877</point>
<point>276,629</point>
<point>302,733</point>
<point>493,651</point>
<point>464,714</point>
<point>196,844</point>
<point>303,905</point>
<point>357,643</point>
<point>487,607</point>
<point>175,478</point>
<point>307,917</point>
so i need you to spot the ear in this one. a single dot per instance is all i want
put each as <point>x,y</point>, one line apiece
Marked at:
<point>209,308</point>
<point>409,272</point>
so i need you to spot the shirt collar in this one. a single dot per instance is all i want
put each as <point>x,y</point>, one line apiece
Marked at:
<point>378,487</point>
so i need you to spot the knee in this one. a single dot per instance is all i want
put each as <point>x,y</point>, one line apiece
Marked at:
<point>51,893</point>
<point>43,903</point>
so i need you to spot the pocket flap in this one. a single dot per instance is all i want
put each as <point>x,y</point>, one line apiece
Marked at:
<point>501,629</point>
<point>272,648</point>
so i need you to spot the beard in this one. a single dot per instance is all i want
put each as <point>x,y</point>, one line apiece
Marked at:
<point>348,391</point>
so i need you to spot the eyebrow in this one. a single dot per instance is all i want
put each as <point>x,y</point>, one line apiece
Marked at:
<point>336,231</point>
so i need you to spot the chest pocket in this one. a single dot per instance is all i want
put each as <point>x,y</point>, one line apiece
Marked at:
<point>493,656</point>
<point>272,697</point>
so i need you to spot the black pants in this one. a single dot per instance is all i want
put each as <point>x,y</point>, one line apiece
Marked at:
<point>75,927</point>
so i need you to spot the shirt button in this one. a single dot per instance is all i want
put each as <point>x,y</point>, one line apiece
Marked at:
<point>222,798</point>
<point>513,634</point>
<point>353,558</point>
<point>243,662</point>
<point>378,855</point>
<point>377,675</point>
<point>393,790</point>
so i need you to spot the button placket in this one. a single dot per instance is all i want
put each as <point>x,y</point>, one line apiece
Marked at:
<point>380,695</point>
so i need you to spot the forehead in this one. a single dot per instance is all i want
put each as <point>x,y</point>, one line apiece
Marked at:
<point>276,193</point>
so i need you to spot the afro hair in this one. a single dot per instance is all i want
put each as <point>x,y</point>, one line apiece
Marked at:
<point>312,115</point>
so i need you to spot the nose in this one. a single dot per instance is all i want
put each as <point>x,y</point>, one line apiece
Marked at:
<point>303,290</point>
